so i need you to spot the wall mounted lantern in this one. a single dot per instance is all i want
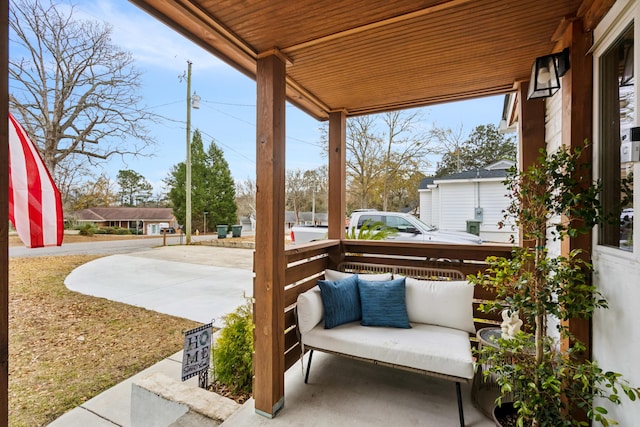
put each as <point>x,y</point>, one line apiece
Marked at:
<point>546,72</point>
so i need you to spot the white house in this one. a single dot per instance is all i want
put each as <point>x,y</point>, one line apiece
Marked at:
<point>471,201</point>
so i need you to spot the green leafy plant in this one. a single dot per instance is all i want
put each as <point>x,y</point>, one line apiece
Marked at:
<point>554,199</point>
<point>371,231</point>
<point>233,351</point>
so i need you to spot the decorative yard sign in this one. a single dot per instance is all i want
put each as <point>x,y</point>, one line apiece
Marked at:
<point>197,353</point>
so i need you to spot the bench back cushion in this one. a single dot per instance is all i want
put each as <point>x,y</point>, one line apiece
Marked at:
<point>441,303</point>
<point>310,310</point>
<point>334,275</point>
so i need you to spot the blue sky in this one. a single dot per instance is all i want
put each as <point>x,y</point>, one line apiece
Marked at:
<point>227,111</point>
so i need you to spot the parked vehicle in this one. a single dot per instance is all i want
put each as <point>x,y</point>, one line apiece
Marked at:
<point>169,230</point>
<point>408,227</point>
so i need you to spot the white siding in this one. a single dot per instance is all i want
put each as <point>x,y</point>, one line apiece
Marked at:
<point>493,202</point>
<point>553,139</point>
<point>457,203</point>
<point>435,207</point>
<point>426,206</point>
<point>451,204</point>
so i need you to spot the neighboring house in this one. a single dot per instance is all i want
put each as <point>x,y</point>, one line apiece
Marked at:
<point>468,201</point>
<point>148,221</point>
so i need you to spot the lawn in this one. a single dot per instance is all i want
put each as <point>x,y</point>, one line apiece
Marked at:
<point>65,347</point>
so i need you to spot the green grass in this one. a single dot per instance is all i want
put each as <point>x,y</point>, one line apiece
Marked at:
<point>65,347</point>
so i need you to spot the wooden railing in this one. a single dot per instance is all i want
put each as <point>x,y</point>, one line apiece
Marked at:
<point>306,264</point>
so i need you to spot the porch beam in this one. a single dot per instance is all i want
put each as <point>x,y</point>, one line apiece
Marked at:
<point>577,113</point>
<point>269,264</point>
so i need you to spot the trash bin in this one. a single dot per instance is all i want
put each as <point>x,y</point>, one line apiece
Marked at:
<point>236,230</point>
<point>222,231</point>
<point>473,227</point>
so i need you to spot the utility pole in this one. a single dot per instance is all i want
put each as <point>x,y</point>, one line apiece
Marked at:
<point>188,183</point>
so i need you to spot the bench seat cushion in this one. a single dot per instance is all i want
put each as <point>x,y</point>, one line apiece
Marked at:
<point>431,348</point>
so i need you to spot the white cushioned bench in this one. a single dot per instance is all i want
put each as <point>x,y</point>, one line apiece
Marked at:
<point>434,342</point>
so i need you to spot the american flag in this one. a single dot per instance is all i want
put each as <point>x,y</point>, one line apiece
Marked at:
<point>35,205</point>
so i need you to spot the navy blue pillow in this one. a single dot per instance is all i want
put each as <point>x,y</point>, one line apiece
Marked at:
<point>341,301</point>
<point>384,303</point>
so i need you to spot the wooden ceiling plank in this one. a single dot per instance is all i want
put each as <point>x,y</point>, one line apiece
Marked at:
<point>375,25</point>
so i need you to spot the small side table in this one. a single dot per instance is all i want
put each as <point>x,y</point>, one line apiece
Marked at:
<point>485,390</point>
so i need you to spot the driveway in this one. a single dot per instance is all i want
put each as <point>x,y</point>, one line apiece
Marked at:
<point>201,283</point>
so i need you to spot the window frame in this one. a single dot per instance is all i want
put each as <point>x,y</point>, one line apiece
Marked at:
<point>606,35</point>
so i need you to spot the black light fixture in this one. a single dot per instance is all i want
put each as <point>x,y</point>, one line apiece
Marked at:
<point>546,72</point>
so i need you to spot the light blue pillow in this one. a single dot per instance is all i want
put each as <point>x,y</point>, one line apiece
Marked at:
<point>384,303</point>
<point>341,301</point>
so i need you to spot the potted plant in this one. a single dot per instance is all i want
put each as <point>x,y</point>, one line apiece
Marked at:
<point>548,385</point>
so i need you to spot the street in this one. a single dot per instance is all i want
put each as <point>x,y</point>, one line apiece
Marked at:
<point>94,248</point>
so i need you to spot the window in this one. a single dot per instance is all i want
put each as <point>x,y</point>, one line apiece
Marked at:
<point>399,223</point>
<point>370,219</point>
<point>617,116</point>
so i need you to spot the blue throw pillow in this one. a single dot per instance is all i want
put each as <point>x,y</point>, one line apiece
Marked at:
<point>384,303</point>
<point>341,301</point>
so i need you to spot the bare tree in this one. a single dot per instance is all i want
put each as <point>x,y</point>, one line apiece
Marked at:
<point>406,150</point>
<point>377,159</point>
<point>364,152</point>
<point>71,88</point>
<point>296,190</point>
<point>246,197</point>
<point>450,143</point>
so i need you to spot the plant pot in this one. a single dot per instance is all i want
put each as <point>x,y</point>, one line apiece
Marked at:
<point>505,415</point>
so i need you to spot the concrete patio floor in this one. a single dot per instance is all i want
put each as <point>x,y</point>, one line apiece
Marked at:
<point>347,392</point>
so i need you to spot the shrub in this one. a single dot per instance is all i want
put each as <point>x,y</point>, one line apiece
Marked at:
<point>122,231</point>
<point>87,230</point>
<point>233,351</point>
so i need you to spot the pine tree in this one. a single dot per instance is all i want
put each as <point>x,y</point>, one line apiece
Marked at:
<point>212,187</point>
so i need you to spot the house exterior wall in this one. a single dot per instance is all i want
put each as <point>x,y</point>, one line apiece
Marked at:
<point>426,206</point>
<point>452,203</point>
<point>457,200</point>
<point>616,336</point>
<point>435,208</point>
<point>493,202</point>
<point>553,139</point>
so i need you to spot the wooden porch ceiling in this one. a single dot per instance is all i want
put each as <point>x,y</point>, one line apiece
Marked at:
<point>366,56</point>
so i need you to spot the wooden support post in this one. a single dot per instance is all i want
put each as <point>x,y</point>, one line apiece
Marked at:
<point>577,113</point>
<point>268,287</point>
<point>532,131</point>
<point>337,174</point>
<point>531,127</point>
<point>337,181</point>
<point>4,213</point>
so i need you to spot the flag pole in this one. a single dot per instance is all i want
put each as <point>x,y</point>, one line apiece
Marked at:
<point>4,212</point>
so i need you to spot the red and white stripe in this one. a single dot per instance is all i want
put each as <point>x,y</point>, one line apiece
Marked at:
<point>35,205</point>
